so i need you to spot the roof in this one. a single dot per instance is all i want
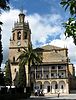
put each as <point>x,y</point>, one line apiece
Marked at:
<point>52,47</point>
<point>53,53</point>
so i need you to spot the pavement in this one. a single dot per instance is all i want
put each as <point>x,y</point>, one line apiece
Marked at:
<point>54,97</point>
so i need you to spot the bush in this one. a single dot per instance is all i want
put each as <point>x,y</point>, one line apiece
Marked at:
<point>20,90</point>
<point>3,90</point>
<point>12,90</point>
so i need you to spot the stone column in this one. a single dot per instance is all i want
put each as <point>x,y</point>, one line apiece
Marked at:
<point>50,88</point>
<point>57,72</point>
<point>50,72</point>
<point>66,70</point>
<point>67,86</point>
<point>35,73</point>
<point>42,72</point>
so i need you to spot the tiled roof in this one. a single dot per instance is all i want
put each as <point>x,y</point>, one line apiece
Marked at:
<point>50,47</point>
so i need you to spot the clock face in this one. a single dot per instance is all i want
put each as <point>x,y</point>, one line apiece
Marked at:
<point>18,43</point>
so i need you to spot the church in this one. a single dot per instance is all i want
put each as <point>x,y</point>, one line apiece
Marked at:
<point>53,74</point>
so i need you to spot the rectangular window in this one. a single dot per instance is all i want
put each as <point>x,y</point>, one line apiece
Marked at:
<point>53,67</point>
<point>19,35</point>
<point>59,67</point>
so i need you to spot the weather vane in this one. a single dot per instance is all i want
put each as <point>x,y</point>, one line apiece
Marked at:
<point>21,6</point>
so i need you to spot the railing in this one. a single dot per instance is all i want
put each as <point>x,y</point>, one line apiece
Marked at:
<point>45,77</point>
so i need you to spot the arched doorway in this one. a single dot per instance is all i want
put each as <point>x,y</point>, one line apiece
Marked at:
<point>32,85</point>
<point>62,87</point>
<point>46,87</point>
<point>38,85</point>
<point>54,87</point>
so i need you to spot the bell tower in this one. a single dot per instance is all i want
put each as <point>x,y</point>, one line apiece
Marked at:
<point>21,38</point>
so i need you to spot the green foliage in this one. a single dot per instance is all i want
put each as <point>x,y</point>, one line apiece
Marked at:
<point>2,82</point>
<point>1,53</point>
<point>8,77</point>
<point>70,25</point>
<point>22,77</point>
<point>70,29</point>
<point>27,57</point>
<point>16,80</point>
<point>0,24</point>
<point>69,4</point>
<point>4,4</point>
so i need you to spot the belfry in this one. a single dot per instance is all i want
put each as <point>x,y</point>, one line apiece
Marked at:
<point>21,38</point>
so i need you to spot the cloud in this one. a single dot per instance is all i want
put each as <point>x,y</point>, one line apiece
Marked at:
<point>41,27</point>
<point>71,48</point>
<point>66,43</point>
<point>8,19</point>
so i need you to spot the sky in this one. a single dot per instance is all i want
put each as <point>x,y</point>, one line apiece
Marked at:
<point>45,19</point>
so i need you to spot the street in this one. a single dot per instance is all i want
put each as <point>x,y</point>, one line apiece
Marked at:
<point>53,97</point>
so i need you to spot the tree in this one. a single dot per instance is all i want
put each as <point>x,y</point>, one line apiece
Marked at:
<point>4,6</point>
<point>70,25</point>
<point>2,81</point>
<point>20,79</point>
<point>8,77</point>
<point>26,58</point>
<point>71,5</point>
<point>1,54</point>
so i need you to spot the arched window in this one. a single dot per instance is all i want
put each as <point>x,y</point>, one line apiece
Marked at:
<point>15,70</point>
<point>19,35</point>
<point>48,88</point>
<point>25,35</point>
<point>13,59</point>
<point>41,86</point>
<point>56,86</point>
<point>18,49</point>
<point>62,87</point>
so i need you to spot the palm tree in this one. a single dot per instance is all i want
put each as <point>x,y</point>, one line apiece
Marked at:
<point>27,57</point>
<point>4,6</point>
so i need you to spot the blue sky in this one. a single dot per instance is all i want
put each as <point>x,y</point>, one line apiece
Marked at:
<point>45,19</point>
<point>41,7</point>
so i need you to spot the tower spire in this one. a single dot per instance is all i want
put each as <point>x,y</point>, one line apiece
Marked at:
<point>21,15</point>
<point>21,18</point>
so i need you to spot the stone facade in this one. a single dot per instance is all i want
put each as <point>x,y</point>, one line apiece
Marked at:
<point>53,74</point>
